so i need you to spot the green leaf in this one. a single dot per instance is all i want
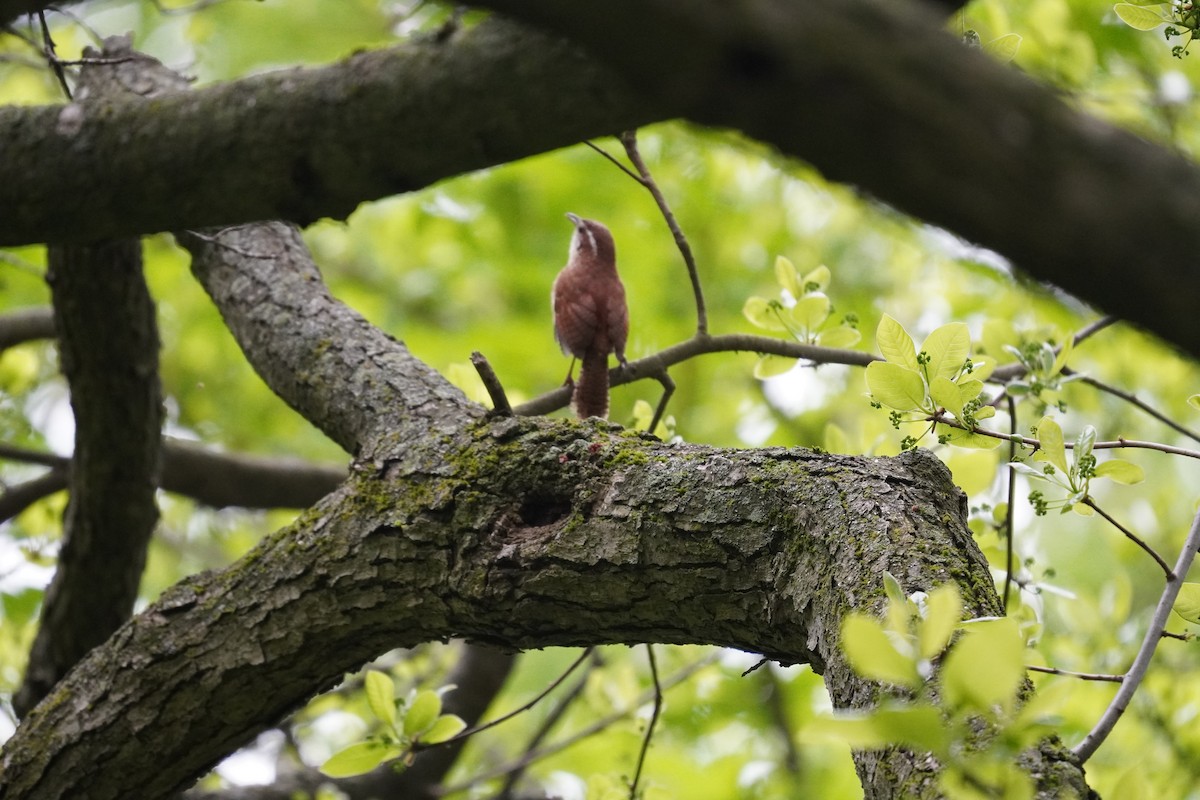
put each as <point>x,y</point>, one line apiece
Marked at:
<point>841,336</point>
<point>446,727</point>
<point>943,612</point>
<point>1084,443</point>
<point>811,310</point>
<point>1139,17</point>
<point>872,653</point>
<point>986,666</point>
<point>360,758</point>
<point>789,280</point>
<point>947,348</point>
<point>917,726</point>
<point>969,388</point>
<point>764,313</point>
<point>982,367</point>
<point>769,366</point>
<point>1064,353</point>
<point>1187,605</point>
<point>944,392</point>
<point>817,280</point>
<point>1121,471</point>
<point>1004,48</point>
<point>895,344</point>
<point>422,712</point>
<point>895,386</point>
<point>1053,448</point>
<point>381,697</point>
<point>971,439</point>
<point>1194,401</point>
<point>893,589</point>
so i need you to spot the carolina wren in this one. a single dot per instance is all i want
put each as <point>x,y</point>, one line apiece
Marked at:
<point>591,319</point>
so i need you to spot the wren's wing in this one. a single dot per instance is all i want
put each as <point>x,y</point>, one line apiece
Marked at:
<point>575,316</point>
<point>618,322</point>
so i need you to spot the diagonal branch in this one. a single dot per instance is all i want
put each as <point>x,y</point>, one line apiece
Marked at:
<point>271,296</point>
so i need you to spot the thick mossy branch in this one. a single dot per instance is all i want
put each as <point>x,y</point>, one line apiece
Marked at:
<point>527,534</point>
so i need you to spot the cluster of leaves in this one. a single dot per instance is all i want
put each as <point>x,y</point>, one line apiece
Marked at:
<point>1044,376</point>
<point>803,310</point>
<point>1074,476</point>
<point>1182,18</point>
<point>418,720</point>
<point>979,679</point>
<point>922,385</point>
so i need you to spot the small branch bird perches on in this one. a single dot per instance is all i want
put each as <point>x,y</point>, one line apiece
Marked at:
<point>591,318</point>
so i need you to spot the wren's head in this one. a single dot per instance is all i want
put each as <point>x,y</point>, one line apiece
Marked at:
<point>592,240</point>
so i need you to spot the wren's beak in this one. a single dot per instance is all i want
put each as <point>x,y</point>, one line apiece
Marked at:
<point>575,220</point>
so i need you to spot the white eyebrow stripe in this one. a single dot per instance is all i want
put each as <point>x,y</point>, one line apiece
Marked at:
<point>586,230</point>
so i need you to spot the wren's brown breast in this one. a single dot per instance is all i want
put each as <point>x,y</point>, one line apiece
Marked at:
<point>591,318</point>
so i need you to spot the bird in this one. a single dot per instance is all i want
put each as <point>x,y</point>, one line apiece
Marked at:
<point>591,318</point>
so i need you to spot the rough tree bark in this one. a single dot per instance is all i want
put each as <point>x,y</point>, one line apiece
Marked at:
<point>515,532</point>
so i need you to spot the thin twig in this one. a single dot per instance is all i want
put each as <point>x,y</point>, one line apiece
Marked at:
<point>700,345</point>
<point>1083,676</point>
<point>495,390</point>
<point>51,56</point>
<point>591,730</point>
<point>552,719</point>
<point>629,140</point>
<point>1010,545</point>
<point>1094,328</point>
<point>1034,444</point>
<point>519,710</point>
<point>1141,662</point>
<point>658,699</point>
<point>1133,400</point>
<point>668,385</point>
<point>1131,536</point>
<point>614,160</point>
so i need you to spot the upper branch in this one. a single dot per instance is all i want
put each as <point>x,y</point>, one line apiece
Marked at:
<point>305,143</point>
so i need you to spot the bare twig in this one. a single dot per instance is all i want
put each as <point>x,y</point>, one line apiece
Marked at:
<point>1026,441</point>
<point>668,385</point>
<point>1133,400</point>
<point>1083,676</point>
<point>1131,536</point>
<point>591,730</point>
<point>584,656</point>
<point>1010,545</point>
<point>495,390</point>
<point>1094,328</point>
<point>700,345</point>
<point>1141,662</point>
<point>552,719</point>
<point>51,57</point>
<point>658,699</point>
<point>629,140</point>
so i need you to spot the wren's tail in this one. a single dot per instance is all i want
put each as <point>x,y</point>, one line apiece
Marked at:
<point>591,391</point>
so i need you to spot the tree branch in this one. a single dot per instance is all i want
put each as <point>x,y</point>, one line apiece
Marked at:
<point>316,353</point>
<point>513,531</point>
<point>305,143</point>
<point>26,325</point>
<point>213,478</point>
